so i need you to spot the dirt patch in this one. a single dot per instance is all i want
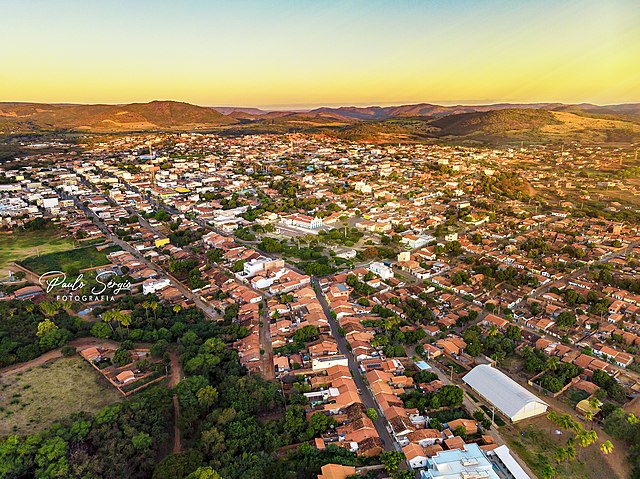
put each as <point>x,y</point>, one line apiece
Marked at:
<point>32,399</point>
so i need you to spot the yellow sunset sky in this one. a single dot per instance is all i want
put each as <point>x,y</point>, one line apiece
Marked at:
<point>280,54</point>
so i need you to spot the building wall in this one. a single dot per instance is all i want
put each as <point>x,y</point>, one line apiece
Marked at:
<point>530,410</point>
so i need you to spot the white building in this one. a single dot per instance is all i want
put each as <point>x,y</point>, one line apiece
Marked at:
<point>151,286</point>
<point>466,463</point>
<point>382,270</point>
<point>513,400</point>
<point>304,221</point>
<point>325,362</point>
<point>49,203</point>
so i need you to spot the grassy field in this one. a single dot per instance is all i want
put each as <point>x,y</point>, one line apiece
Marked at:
<point>21,245</point>
<point>32,400</point>
<point>71,261</point>
<point>535,442</point>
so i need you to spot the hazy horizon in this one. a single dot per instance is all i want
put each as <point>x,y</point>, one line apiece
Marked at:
<point>303,107</point>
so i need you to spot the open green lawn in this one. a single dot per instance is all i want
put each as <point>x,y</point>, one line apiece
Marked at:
<point>71,261</point>
<point>20,245</point>
<point>32,400</point>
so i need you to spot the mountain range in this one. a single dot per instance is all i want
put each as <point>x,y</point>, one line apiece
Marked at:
<point>501,122</point>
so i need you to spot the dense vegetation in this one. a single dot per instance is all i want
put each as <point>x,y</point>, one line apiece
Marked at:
<point>28,330</point>
<point>231,423</point>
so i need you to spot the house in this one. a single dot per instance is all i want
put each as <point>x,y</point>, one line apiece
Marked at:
<point>28,292</point>
<point>336,471</point>
<point>425,437</point>
<point>493,320</point>
<point>415,455</point>
<point>382,270</point>
<point>125,377</point>
<point>325,362</point>
<point>151,286</point>
<point>470,426</point>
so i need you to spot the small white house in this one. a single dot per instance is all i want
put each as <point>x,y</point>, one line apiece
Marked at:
<point>151,286</point>
<point>382,270</point>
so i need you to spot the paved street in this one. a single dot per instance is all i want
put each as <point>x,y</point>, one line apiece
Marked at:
<point>186,292</point>
<point>365,393</point>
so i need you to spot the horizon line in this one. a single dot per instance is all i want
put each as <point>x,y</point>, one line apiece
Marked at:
<point>304,107</point>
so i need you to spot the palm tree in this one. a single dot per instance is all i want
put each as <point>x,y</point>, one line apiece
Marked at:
<point>606,447</point>
<point>146,306</point>
<point>107,317</point>
<point>565,421</point>
<point>553,417</point>
<point>576,427</point>
<point>125,320</point>
<point>154,305</point>
<point>552,363</point>
<point>116,315</point>
<point>493,330</point>
<point>177,308</point>
<point>588,415</point>
<point>570,452</point>
<point>561,455</point>
<point>548,472</point>
<point>586,438</point>
<point>308,238</point>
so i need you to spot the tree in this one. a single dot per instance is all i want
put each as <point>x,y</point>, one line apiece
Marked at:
<point>606,447</point>
<point>121,357</point>
<point>566,320</point>
<point>204,473</point>
<point>548,472</point>
<point>49,309</point>
<point>107,317</point>
<point>586,438</point>
<point>460,431</point>
<point>125,320</point>
<point>207,396</point>
<point>45,327</point>
<point>321,422</point>
<point>570,452</point>
<point>372,414</point>
<point>146,305</point>
<point>553,417</point>
<point>141,441</point>
<point>50,335</point>
<point>561,455</point>
<point>51,459</point>
<point>154,306</point>
<point>391,460</point>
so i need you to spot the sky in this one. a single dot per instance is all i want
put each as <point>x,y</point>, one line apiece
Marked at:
<point>307,53</point>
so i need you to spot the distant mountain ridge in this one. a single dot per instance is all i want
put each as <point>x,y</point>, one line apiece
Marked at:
<point>502,122</point>
<point>134,116</point>
<point>431,110</point>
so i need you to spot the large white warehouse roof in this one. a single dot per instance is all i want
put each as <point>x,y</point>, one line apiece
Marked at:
<point>504,393</point>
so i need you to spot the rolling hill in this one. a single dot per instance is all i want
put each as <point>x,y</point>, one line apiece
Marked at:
<point>498,123</point>
<point>155,115</point>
